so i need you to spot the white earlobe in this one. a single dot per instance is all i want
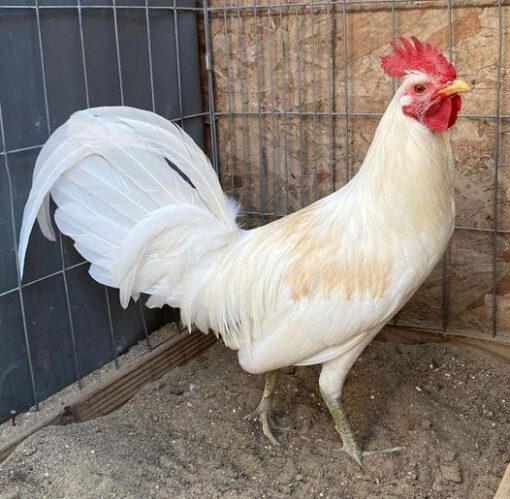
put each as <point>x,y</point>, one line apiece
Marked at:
<point>405,100</point>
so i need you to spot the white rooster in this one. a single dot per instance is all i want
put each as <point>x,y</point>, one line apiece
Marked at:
<point>311,288</point>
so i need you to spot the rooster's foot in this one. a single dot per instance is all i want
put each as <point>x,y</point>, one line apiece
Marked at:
<point>350,446</point>
<point>269,426</point>
<point>263,410</point>
<point>357,455</point>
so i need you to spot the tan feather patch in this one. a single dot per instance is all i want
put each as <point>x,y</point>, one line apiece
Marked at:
<point>321,265</point>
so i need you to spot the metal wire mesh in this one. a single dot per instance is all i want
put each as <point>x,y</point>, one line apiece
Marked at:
<point>272,148</point>
<point>79,11</point>
<point>258,117</point>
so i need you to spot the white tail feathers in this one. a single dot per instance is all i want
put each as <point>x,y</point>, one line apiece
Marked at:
<point>139,198</point>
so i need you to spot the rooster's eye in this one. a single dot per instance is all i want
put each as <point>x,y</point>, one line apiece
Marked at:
<point>419,89</point>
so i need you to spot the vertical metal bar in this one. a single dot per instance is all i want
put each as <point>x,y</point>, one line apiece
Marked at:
<point>144,324</point>
<point>178,60</point>
<point>394,87</point>
<point>273,110</point>
<point>300,98</point>
<point>346,92</point>
<point>87,100</point>
<point>241,78</point>
<point>445,302</point>
<point>61,242</point>
<point>495,211</point>
<point>285,115</point>
<point>331,82</point>
<point>232,138</point>
<point>41,55</point>
<point>210,89</point>
<point>117,48</point>
<point>394,36</point>
<point>149,49</point>
<point>450,35</point>
<point>84,63</point>
<point>153,104</point>
<point>314,97</point>
<point>18,277</point>
<point>259,110</point>
<point>121,88</point>
<point>112,328</point>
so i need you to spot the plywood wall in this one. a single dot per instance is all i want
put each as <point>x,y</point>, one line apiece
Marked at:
<point>284,79</point>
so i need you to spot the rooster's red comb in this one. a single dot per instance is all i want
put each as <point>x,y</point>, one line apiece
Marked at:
<point>421,57</point>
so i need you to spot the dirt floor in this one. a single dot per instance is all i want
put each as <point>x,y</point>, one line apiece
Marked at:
<point>184,436</point>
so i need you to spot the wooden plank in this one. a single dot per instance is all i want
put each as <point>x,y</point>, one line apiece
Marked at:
<point>124,384</point>
<point>121,385</point>
<point>7,449</point>
<point>493,348</point>
<point>503,491</point>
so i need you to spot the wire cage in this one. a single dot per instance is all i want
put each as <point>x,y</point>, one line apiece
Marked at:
<point>299,92</point>
<point>57,325</point>
<point>285,97</point>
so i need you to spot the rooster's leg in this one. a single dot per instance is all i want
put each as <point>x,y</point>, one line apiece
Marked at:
<point>263,410</point>
<point>331,381</point>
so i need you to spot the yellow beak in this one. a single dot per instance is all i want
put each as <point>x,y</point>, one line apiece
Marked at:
<point>457,87</point>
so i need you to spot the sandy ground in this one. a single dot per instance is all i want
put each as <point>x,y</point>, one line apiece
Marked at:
<point>59,400</point>
<point>184,436</point>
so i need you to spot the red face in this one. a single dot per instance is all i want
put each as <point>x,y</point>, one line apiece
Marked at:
<point>431,94</point>
<point>430,105</point>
